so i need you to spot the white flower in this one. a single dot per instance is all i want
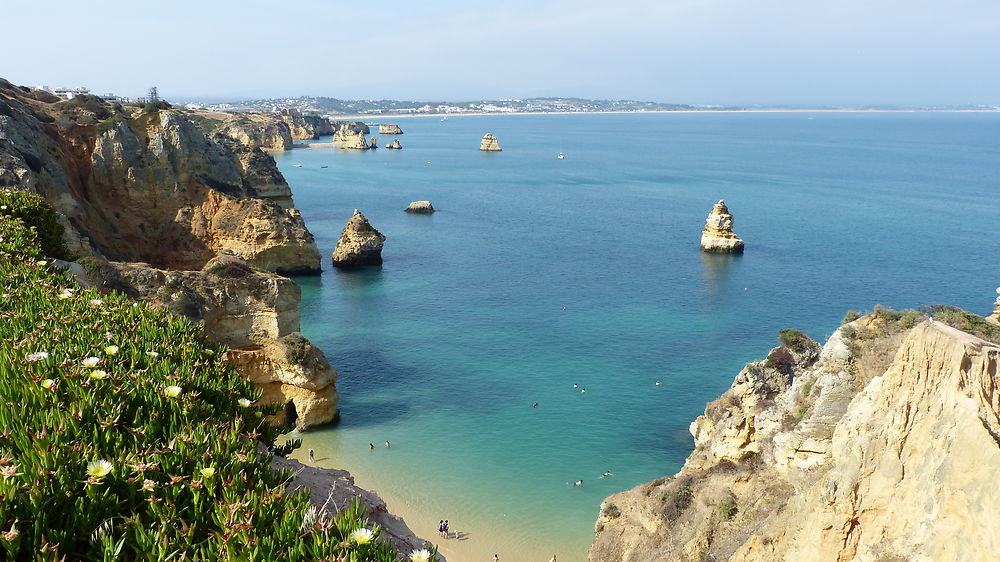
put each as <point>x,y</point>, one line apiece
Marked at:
<point>152,354</point>
<point>361,536</point>
<point>172,391</point>
<point>99,469</point>
<point>207,472</point>
<point>66,293</point>
<point>47,384</point>
<point>98,374</point>
<point>90,362</point>
<point>36,356</point>
<point>96,302</point>
<point>148,485</point>
<point>422,555</point>
<point>243,402</point>
<point>111,349</point>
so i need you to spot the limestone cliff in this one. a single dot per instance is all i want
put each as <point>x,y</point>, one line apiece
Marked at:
<point>307,126</point>
<point>359,243</point>
<point>256,314</point>
<point>148,185</point>
<point>350,135</point>
<point>489,143</point>
<point>389,129</point>
<point>718,235</point>
<point>883,446</point>
<point>257,130</point>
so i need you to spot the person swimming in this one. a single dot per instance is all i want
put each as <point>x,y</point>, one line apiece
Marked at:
<point>576,385</point>
<point>371,446</point>
<point>607,473</point>
<point>387,443</point>
<point>578,482</point>
<point>535,405</point>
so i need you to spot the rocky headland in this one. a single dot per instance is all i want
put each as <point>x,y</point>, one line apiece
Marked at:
<point>359,244</point>
<point>489,143</point>
<point>420,207</point>
<point>718,235</point>
<point>351,135</point>
<point>389,129</point>
<point>881,445</point>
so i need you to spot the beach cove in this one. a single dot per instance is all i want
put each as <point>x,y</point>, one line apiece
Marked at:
<point>446,347</point>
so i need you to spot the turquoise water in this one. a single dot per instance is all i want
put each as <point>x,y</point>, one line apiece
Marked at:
<point>538,273</point>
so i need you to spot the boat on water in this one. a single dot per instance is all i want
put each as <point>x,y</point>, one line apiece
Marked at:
<point>561,156</point>
<point>297,165</point>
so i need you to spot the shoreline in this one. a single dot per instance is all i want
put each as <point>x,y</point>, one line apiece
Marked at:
<point>375,118</point>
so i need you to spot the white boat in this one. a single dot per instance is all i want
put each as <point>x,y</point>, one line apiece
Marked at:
<point>297,165</point>
<point>561,156</point>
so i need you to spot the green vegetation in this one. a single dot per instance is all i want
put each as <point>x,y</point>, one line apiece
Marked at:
<point>126,436</point>
<point>964,320</point>
<point>851,316</point>
<point>727,507</point>
<point>677,498</point>
<point>296,348</point>
<point>36,213</point>
<point>795,340</point>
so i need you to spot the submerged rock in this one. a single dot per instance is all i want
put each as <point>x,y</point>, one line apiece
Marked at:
<point>359,244</point>
<point>389,129</point>
<point>489,143</point>
<point>718,235</point>
<point>420,207</point>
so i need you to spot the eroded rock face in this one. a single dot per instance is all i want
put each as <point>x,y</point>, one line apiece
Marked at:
<point>350,135</point>
<point>389,129</point>
<point>394,145</point>
<point>995,317</point>
<point>254,313</point>
<point>150,186</point>
<point>257,130</point>
<point>489,143</point>
<point>718,235</point>
<point>420,207</point>
<point>835,461</point>
<point>359,244</point>
<point>307,126</point>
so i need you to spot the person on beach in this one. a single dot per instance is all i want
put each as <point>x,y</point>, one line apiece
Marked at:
<point>312,455</point>
<point>441,527</point>
<point>496,558</point>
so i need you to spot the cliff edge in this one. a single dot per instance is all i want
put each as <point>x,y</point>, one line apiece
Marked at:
<point>884,445</point>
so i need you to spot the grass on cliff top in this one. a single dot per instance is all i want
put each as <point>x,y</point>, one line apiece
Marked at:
<point>887,320</point>
<point>123,434</point>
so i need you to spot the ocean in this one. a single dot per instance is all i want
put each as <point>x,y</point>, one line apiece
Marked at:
<point>537,274</point>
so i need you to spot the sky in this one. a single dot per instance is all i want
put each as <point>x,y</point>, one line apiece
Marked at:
<point>742,52</point>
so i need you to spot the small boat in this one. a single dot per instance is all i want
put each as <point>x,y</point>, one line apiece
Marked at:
<point>297,165</point>
<point>324,166</point>
<point>561,156</point>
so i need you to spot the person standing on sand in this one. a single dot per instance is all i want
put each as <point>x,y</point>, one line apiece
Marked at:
<point>496,558</point>
<point>312,455</point>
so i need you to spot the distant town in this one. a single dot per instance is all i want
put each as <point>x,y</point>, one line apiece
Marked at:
<point>335,108</point>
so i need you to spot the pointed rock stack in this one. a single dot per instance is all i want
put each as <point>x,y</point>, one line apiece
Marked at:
<point>718,236</point>
<point>489,143</point>
<point>360,243</point>
<point>374,143</point>
<point>995,317</point>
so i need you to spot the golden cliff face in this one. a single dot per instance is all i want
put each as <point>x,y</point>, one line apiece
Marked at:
<point>256,314</point>
<point>884,447</point>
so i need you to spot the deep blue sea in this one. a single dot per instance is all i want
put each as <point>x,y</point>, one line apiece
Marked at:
<point>537,274</point>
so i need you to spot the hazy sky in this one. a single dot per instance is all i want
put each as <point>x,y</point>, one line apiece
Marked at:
<point>685,51</point>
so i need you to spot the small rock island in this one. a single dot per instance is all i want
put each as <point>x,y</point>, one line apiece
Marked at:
<point>389,129</point>
<point>489,143</point>
<point>359,244</point>
<point>420,207</point>
<point>394,145</point>
<point>718,236</point>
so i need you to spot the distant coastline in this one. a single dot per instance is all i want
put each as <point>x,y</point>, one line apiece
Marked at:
<point>385,117</point>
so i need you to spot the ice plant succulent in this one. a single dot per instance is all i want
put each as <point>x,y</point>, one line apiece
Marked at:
<point>90,362</point>
<point>47,384</point>
<point>207,472</point>
<point>243,402</point>
<point>422,555</point>
<point>36,356</point>
<point>172,391</point>
<point>111,349</point>
<point>99,468</point>
<point>361,536</point>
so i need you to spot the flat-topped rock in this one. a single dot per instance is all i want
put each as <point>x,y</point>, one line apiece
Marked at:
<point>359,244</point>
<point>489,143</point>
<point>420,207</point>
<point>394,145</point>
<point>718,235</point>
<point>389,129</point>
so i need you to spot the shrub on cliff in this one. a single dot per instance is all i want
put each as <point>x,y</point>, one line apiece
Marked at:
<point>130,438</point>
<point>36,212</point>
<point>795,340</point>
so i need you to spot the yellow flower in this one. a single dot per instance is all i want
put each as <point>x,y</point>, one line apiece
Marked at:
<point>152,354</point>
<point>90,362</point>
<point>361,536</point>
<point>47,384</point>
<point>66,293</point>
<point>99,468</point>
<point>111,349</point>
<point>422,555</point>
<point>243,402</point>
<point>98,374</point>
<point>207,472</point>
<point>172,391</point>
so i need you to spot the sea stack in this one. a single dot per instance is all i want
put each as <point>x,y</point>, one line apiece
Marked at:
<point>420,207</point>
<point>995,317</point>
<point>374,142</point>
<point>394,145</point>
<point>389,129</point>
<point>360,243</point>
<point>489,143</point>
<point>718,236</point>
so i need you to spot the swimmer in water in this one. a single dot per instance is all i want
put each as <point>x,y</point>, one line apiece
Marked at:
<point>578,482</point>
<point>371,446</point>
<point>658,383</point>
<point>387,443</point>
<point>607,473</point>
<point>576,385</point>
